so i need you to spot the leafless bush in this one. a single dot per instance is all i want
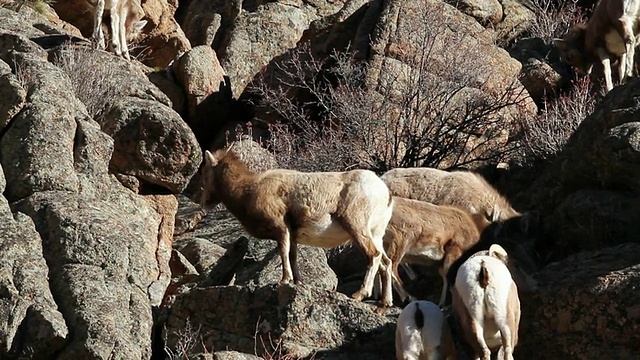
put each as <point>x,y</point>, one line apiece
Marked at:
<point>434,111</point>
<point>554,18</point>
<point>271,349</point>
<point>188,342</point>
<point>91,79</point>
<point>545,136</point>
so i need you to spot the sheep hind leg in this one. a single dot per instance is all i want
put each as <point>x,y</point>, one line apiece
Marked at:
<point>293,256</point>
<point>284,247</point>
<point>98,35</point>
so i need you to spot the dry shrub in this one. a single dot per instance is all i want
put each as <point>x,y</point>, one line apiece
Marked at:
<point>434,111</point>
<point>91,79</point>
<point>554,18</point>
<point>545,136</point>
<point>188,343</point>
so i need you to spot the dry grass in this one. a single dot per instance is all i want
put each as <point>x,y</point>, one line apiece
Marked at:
<point>189,342</point>
<point>91,79</point>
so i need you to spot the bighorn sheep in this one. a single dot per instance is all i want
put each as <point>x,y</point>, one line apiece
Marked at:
<point>611,31</point>
<point>463,189</point>
<point>486,304</point>
<point>317,209</point>
<point>426,234</point>
<point>518,262</point>
<point>422,332</point>
<point>126,23</point>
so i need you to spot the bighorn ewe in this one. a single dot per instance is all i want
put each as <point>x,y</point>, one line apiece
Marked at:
<point>126,23</point>
<point>486,304</point>
<point>426,234</point>
<point>519,261</point>
<point>422,332</point>
<point>317,209</point>
<point>611,31</point>
<point>463,189</point>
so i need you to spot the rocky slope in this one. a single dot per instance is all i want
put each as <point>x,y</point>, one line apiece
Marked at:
<point>103,258</point>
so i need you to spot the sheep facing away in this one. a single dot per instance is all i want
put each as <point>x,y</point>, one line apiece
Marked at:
<point>486,304</point>
<point>318,209</point>
<point>126,23</point>
<point>422,332</point>
<point>430,235</point>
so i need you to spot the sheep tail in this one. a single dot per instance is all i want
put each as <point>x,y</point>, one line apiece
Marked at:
<point>483,276</point>
<point>419,317</point>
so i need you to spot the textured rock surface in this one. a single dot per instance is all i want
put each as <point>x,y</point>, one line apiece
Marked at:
<point>589,195</point>
<point>208,94</point>
<point>587,308</point>
<point>299,319</point>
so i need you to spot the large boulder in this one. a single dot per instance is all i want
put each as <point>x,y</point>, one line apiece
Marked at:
<point>260,36</point>
<point>588,196</point>
<point>208,94</point>
<point>295,321</point>
<point>162,39</point>
<point>587,307</point>
<point>153,145</point>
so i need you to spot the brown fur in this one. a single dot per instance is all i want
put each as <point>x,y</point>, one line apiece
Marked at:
<point>610,33</point>
<point>317,209</point>
<point>463,189</point>
<point>483,277</point>
<point>417,227</point>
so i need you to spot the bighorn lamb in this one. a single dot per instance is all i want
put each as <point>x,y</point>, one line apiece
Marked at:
<point>463,189</point>
<point>317,209</point>
<point>486,304</point>
<point>422,332</point>
<point>427,234</point>
<point>126,23</point>
<point>611,31</point>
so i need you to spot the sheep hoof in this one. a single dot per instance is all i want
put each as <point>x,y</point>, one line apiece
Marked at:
<point>298,282</point>
<point>284,281</point>
<point>358,295</point>
<point>381,310</point>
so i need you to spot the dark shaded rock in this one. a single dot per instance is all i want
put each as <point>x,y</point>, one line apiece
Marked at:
<point>587,308</point>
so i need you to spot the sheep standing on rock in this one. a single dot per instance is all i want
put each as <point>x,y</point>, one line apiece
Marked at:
<point>318,209</point>
<point>486,304</point>
<point>422,332</point>
<point>430,235</point>
<point>126,23</point>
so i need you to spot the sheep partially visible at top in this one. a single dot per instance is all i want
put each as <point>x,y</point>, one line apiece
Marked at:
<point>324,209</point>
<point>126,23</point>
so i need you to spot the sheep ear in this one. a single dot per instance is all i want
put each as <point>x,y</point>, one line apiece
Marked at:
<point>210,159</point>
<point>498,251</point>
<point>139,25</point>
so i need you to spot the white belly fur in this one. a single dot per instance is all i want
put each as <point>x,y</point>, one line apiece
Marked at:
<point>322,233</point>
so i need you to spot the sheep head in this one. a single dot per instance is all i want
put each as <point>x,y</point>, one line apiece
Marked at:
<point>210,194</point>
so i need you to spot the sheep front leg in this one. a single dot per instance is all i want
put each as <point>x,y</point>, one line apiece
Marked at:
<point>98,35</point>
<point>115,31</point>
<point>284,247</point>
<point>606,65</point>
